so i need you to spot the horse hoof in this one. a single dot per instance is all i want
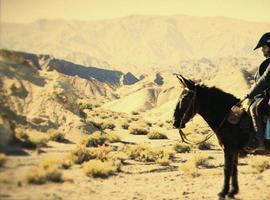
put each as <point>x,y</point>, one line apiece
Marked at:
<point>231,195</point>
<point>221,195</point>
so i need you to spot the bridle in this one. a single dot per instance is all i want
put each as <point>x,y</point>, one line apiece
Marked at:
<point>192,105</point>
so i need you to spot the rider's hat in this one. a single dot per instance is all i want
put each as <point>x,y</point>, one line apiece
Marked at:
<point>265,39</point>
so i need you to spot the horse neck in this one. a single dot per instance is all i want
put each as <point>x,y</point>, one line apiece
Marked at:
<point>214,105</point>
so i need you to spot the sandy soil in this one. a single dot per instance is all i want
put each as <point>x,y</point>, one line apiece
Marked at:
<point>137,180</point>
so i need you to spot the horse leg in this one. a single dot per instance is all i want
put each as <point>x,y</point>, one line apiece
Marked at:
<point>228,157</point>
<point>235,188</point>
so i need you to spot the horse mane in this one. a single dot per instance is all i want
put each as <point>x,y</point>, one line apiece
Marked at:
<point>216,95</point>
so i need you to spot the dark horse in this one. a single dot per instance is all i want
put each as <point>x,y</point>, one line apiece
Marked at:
<point>214,105</point>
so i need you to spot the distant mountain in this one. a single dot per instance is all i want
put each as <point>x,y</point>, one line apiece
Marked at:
<point>49,63</point>
<point>136,43</point>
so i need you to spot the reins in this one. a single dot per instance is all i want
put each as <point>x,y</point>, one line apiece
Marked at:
<point>184,137</point>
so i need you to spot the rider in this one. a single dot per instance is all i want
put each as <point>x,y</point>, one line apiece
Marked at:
<point>260,93</point>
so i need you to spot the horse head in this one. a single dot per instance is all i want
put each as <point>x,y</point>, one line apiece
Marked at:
<point>186,106</point>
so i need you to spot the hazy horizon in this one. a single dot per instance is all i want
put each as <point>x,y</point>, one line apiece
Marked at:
<point>31,10</point>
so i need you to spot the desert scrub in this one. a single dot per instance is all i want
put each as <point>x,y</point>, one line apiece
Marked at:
<point>97,168</point>
<point>125,125</point>
<point>83,154</point>
<point>83,104</point>
<point>47,170</point>
<point>137,130</point>
<point>147,154</point>
<point>189,169</point>
<point>3,159</point>
<point>260,164</point>
<point>135,113</point>
<point>30,142</point>
<point>182,148</point>
<point>155,135</point>
<point>107,125</point>
<point>205,146</point>
<point>99,138</point>
<point>201,160</point>
<point>56,136</point>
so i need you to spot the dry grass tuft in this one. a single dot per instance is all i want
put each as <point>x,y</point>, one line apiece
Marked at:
<point>138,130</point>
<point>147,154</point>
<point>47,170</point>
<point>56,136</point>
<point>189,169</point>
<point>155,135</point>
<point>201,160</point>
<point>182,148</point>
<point>99,138</point>
<point>205,146</point>
<point>83,154</point>
<point>3,159</point>
<point>97,168</point>
<point>260,164</point>
<point>125,125</point>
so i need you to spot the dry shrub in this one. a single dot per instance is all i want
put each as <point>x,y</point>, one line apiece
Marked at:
<point>66,163</point>
<point>137,130</point>
<point>189,169</point>
<point>107,125</point>
<point>205,146</point>
<point>125,125</point>
<point>147,154</point>
<point>149,124</point>
<point>47,170</point>
<point>99,138</point>
<point>134,119</point>
<point>155,135</point>
<point>3,159</point>
<point>201,160</point>
<point>135,113</point>
<point>56,136</point>
<point>30,141</point>
<point>260,164</point>
<point>182,148</point>
<point>83,154</point>
<point>97,168</point>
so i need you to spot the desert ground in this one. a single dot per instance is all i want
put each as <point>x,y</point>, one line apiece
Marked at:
<point>196,173</point>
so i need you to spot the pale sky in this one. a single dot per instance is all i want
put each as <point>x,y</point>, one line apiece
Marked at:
<point>31,10</point>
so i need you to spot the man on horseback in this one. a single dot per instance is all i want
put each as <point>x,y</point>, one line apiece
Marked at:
<point>259,95</point>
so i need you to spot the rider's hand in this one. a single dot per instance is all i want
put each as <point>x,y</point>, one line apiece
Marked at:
<point>246,103</point>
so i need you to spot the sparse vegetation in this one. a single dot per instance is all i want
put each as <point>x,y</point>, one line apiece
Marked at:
<point>205,146</point>
<point>260,164</point>
<point>47,170</point>
<point>3,159</point>
<point>135,113</point>
<point>56,136</point>
<point>182,148</point>
<point>125,125</point>
<point>153,135</point>
<point>147,154</point>
<point>98,138</point>
<point>97,168</point>
<point>189,169</point>
<point>107,125</point>
<point>83,154</point>
<point>30,142</point>
<point>137,130</point>
<point>201,160</point>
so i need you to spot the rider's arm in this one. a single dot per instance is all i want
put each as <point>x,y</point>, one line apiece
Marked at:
<point>262,84</point>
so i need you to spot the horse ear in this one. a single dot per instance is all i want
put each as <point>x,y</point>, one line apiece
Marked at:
<point>181,80</point>
<point>186,82</point>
